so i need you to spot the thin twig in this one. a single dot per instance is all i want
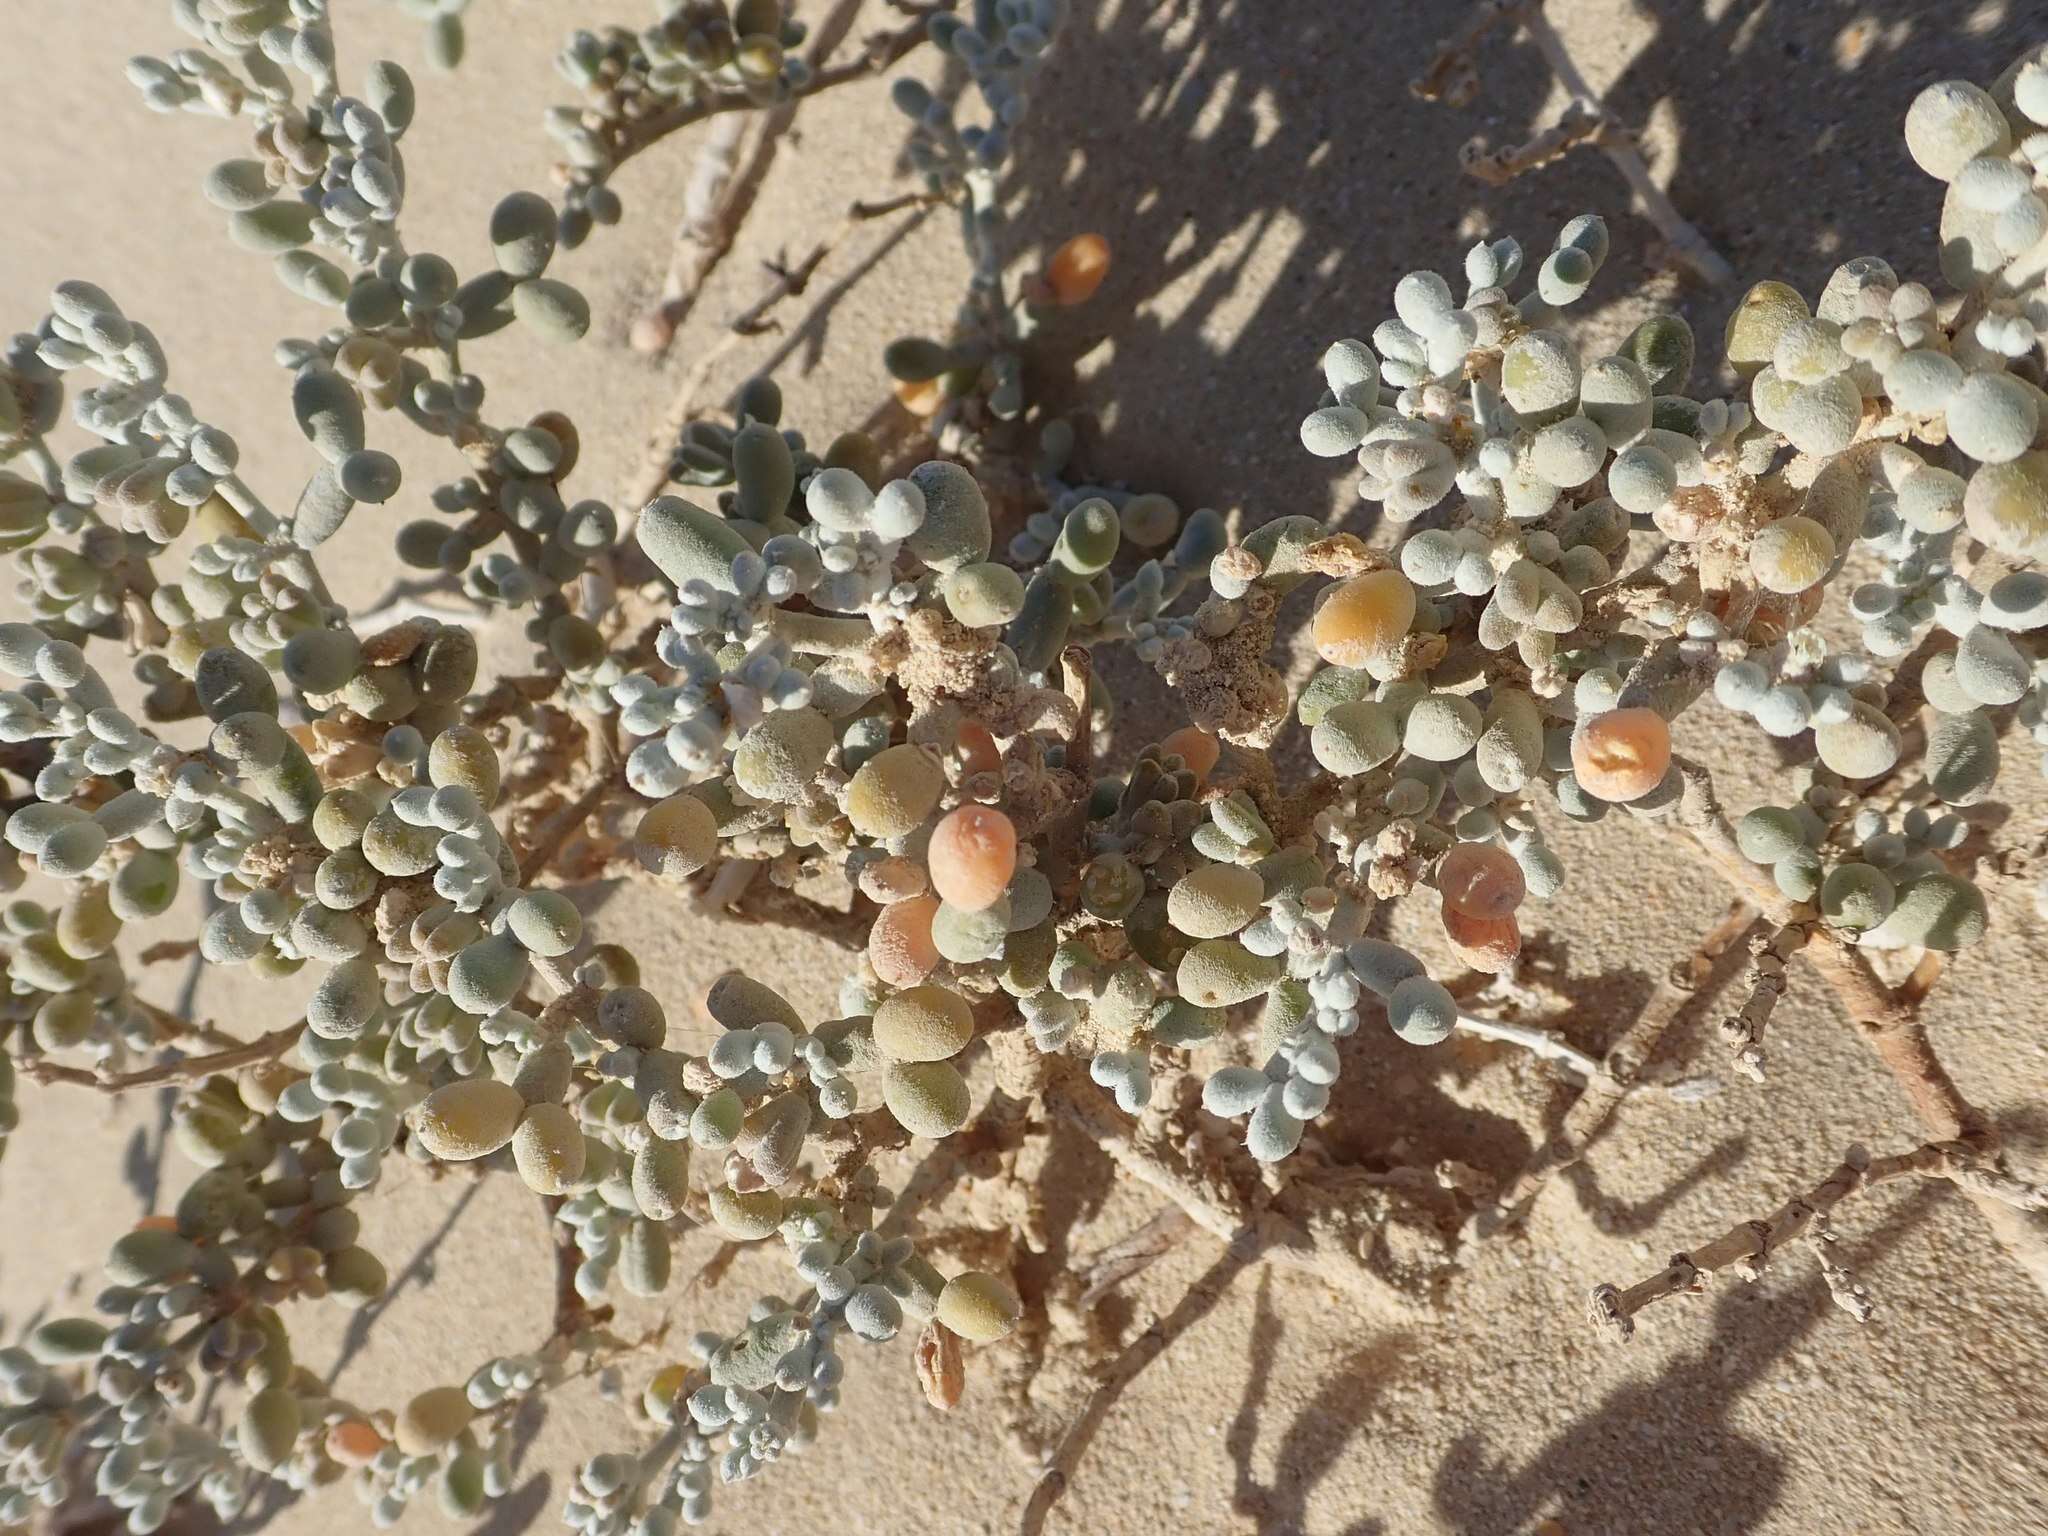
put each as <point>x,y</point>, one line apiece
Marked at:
<point>712,215</point>
<point>1889,1021</point>
<point>1748,1247</point>
<point>876,55</point>
<point>1581,124</point>
<point>786,282</point>
<point>1065,1460</point>
<point>558,828</point>
<point>1327,1231</point>
<point>1132,1255</point>
<point>1453,77</point>
<point>1687,243</point>
<point>1744,1029</point>
<point>190,1069</point>
<point>1545,1043</point>
<point>1587,1120</point>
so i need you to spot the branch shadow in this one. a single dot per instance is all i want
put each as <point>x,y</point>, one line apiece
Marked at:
<point>142,1157</point>
<point>1681,1415</point>
<point>1621,1218</point>
<point>418,1270</point>
<point>1313,1443</point>
<point>1197,1303</point>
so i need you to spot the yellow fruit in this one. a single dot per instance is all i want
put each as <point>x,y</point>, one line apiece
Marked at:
<point>1363,618</point>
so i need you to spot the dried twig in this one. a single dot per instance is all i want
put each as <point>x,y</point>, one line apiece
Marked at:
<point>1148,1346</point>
<point>877,54</point>
<point>1747,1248</point>
<point>1547,1044</point>
<point>1744,1028</point>
<point>1325,1230</point>
<point>786,281</point>
<point>188,1070</point>
<point>1844,1289</point>
<point>1581,124</point>
<point>1453,77</point>
<point>711,220</point>
<point>559,827</point>
<point>1888,1020</point>
<point>1589,1117</point>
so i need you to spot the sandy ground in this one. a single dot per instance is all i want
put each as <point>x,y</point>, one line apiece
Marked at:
<point>1265,177</point>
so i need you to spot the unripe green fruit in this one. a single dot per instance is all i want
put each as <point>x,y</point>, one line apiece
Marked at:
<point>766,472</point>
<point>1330,687</point>
<point>967,936</point>
<point>1354,736</point>
<point>397,848</point>
<point>145,886</point>
<point>661,1178</point>
<point>928,1098</point>
<point>1510,746</point>
<point>1768,834</point>
<point>555,311</point>
<point>778,758</point>
<point>347,1000</point>
<point>1422,1011</point>
<point>746,1217</point>
<point>468,1119</point>
<point>983,596</point>
<point>644,1256</point>
<point>740,1002</point>
<point>955,531</point>
<point>148,1256</point>
<point>689,544</point>
<point>522,234</point>
<point>321,660</point>
<point>1961,761</point>
<point>1863,746</point>
<point>432,1419</point>
<point>1791,555</point>
<point>923,1024</point>
<point>1088,539</point>
<point>1766,312</point>
<point>545,922</point>
<point>548,1149</point>
<point>487,975</point>
<point>268,1428</point>
<point>67,1341</point>
<point>462,756</point>
<point>715,1124</point>
<point>1938,910</point>
<point>1218,973</point>
<point>979,1307</point>
<point>1856,896</point>
<point>676,837</point>
<point>64,1021</point>
<point>894,791</point>
<point>1215,901</point>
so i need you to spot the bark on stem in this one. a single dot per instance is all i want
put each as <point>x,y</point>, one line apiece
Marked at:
<point>1749,1246</point>
<point>191,1069</point>
<point>1888,1020</point>
<point>1744,1028</point>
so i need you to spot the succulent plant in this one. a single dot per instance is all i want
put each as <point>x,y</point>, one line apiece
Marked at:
<point>882,675</point>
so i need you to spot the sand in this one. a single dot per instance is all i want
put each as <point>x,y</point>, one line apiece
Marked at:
<point>1265,178</point>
